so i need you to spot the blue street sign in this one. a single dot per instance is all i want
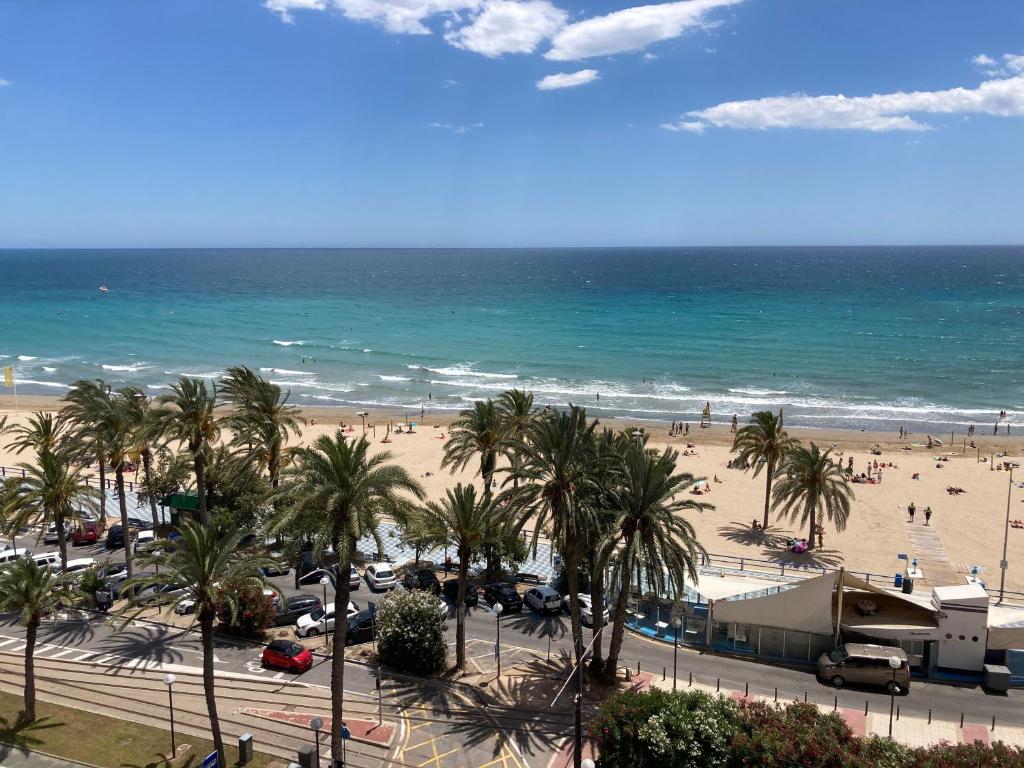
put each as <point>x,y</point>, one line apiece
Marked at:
<point>902,556</point>
<point>210,761</point>
<point>345,732</point>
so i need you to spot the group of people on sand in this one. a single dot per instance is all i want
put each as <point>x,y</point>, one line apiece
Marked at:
<point>679,428</point>
<point>912,510</point>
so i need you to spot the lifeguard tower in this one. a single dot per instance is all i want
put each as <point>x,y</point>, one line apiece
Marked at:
<point>705,417</point>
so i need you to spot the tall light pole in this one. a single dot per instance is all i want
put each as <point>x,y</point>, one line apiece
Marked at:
<point>316,724</point>
<point>169,681</point>
<point>894,664</point>
<point>324,581</point>
<point>498,608</point>
<point>1006,538</point>
<point>676,624</point>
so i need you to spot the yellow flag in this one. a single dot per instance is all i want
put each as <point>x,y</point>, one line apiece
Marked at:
<point>9,376</point>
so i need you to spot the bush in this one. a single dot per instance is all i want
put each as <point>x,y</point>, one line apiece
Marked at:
<point>410,633</point>
<point>254,611</point>
<point>975,755</point>
<point>685,729</point>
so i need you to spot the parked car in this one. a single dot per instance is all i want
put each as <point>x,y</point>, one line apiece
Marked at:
<point>145,541</point>
<point>543,599</point>
<point>280,569</point>
<point>422,578</point>
<point>161,593</point>
<point>450,589</point>
<point>111,573</point>
<point>286,654</point>
<point>320,621</point>
<point>10,555</point>
<point>506,595</point>
<point>185,607</point>
<point>127,590</point>
<point>86,532</point>
<point>80,565</point>
<point>294,607</point>
<point>865,664</point>
<point>47,559</point>
<point>586,608</point>
<point>353,575</point>
<point>115,537</point>
<point>138,522</point>
<point>362,627</point>
<point>442,609</point>
<point>313,578</point>
<point>52,536</point>
<point>380,576</point>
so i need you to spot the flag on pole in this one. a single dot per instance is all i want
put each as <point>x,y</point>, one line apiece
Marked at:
<point>9,376</point>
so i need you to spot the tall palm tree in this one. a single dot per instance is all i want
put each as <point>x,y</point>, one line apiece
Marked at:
<point>32,592</point>
<point>649,534</point>
<point>557,490</point>
<point>465,522</point>
<point>476,433</point>
<point>52,491</point>
<point>763,443</point>
<point>203,558</point>
<point>517,413</point>
<point>262,419</point>
<point>813,486</point>
<point>9,490</point>
<point>43,432</point>
<point>145,435</point>
<point>187,416</point>
<point>103,421</point>
<point>336,492</point>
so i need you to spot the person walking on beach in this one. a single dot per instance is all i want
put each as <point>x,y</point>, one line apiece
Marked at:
<point>995,429</point>
<point>735,423</point>
<point>927,515</point>
<point>911,510</point>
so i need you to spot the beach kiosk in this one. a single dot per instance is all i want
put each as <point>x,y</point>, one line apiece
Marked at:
<point>182,505</point>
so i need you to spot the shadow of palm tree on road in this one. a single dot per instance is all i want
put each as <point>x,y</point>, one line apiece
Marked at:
<point>753,537</point>
<point>67,632</point>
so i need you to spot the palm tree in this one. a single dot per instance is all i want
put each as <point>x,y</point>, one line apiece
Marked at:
<point>203,558</point>
<point>467,523</point>
<point>52,491</point>
<point>145,435</point>
<point>33,592</point>
<point>336,492</point>
<point>262,420</point>
<point>43,432</point>
<point>556,470</point>
<point>812,486</point>
<point>764,444</point>
<point>187,415</point>
<point>103,421</point>
<point>649,534</point>
<point>517,414</point>
<point>477,432</point>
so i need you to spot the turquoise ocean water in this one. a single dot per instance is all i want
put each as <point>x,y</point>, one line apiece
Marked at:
<point>927,338</point>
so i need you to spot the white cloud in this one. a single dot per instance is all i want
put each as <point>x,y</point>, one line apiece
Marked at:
<point>567,80</point>
<point>649,56</point>
<point>878,113</point>
<point>983,60</point>
<point>506,26</point>
<point>1012,64</point>
<point>631,29</point>
<point>4,83</point>
<point>686,126</point>
<point>456,128</point>
<point>396,16</point>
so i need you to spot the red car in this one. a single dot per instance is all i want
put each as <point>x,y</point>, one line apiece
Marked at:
<point>285,654</point>
<point>86,532</point>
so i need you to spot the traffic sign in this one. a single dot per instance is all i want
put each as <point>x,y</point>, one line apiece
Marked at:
<point>210,761</point>
<point>345,732</point>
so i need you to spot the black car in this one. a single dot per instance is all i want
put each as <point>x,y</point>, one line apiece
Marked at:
<point>115,537</point>
<point>450,589</point>
<point>138,522</point>
<point>361,628</point>
<point>505,594</point>
<point>422,579</point>
<point>312,579</point>
<point>280,569</point>
<point>295,606</point>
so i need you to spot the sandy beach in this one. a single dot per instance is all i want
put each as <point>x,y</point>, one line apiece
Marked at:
<point>966,529</point>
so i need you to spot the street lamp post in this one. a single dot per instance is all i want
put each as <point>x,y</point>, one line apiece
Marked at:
<point>676,624</point>
<point>324,581</point>
<point>894,664</point>
<point>316,724</point>
<point>1006,537</point>
<point>498,608</point>
<point>169,681</point>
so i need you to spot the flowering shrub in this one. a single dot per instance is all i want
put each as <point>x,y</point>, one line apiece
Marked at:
<point>254,611</point>
<point>967,756</point>
<point>410,632</point>
<point>686,729</point>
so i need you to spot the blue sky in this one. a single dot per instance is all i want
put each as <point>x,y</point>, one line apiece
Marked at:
<point>495,122</point>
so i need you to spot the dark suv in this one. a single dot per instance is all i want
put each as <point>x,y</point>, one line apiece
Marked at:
<point>361,627</point>
<point>295,606</point>
<point>450,589</point>
<point>115,537</point>
<point>422,579</point>
<point>505,594</point>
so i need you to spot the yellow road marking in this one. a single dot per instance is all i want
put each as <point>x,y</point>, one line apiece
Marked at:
<point>436,758</point>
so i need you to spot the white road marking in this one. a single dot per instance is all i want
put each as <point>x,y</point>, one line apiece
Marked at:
<point>8,641</point>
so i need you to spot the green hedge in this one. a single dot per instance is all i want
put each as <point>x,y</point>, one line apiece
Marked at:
<point>687,729</point>
<point>410,632</point>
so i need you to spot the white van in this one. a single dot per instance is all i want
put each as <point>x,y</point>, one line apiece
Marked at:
<point>81,564</point>
<point>47,559</point>
<point>10,555</point>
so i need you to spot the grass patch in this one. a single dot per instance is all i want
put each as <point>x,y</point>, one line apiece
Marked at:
<point>104,741</point>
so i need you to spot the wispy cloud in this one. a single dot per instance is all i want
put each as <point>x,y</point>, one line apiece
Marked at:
<point>876,113</point>
<point>397,16</point>
<point>454,128</point>
<point>4,83</point>
<point>505,26</point>
<point>685,126</point>
<point>1008,64</point>
<point>449,83</point>
<point>631,29</point>
<point>567,80</point>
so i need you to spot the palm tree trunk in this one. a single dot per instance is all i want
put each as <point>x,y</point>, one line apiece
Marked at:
<point>147,468</point>
<point>122,502</point>
<point>597,614</point>
<point>812,516</point>
<point>769,477</point>
<point>572,577</point>
<point>200,469</point>
<point>103,494</point>
<point>30,670</point>
<point>341,597</point>
<point>619,621</point>
<point>206,627</point>
<point>460,611</point>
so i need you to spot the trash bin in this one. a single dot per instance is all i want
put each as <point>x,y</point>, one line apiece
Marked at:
<point>898,581</point>
<point>908,586</point>
<point>997,678</point>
